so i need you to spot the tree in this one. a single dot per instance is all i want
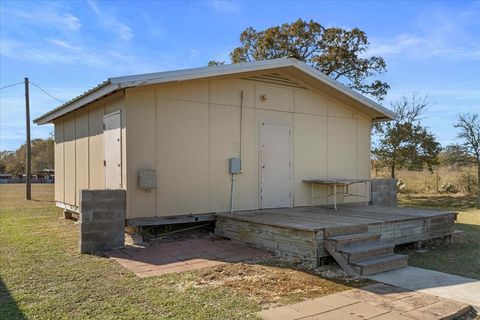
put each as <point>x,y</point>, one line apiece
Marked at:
<point>341,54</point>
<point>455,155</point>
<point>404,142</point>
<point>42,157</point>
<point>212,63</point>
<point>4,155</point>
<point>469,125</point>
<point>15,162</point>
<point>42,154</point>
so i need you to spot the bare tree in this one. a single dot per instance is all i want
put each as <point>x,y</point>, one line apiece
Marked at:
<point>469,125</point>
<point>404,142</point>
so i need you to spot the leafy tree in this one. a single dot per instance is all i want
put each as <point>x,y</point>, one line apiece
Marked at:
<point>212,63</point>
<point>15,162</point>
<point>469,125</point>
<point>4,155</point>
<point>42,157</point>
<point>42,154</point>
<point>341,54</point>
<point>404,142</point>
<point>455,155</point>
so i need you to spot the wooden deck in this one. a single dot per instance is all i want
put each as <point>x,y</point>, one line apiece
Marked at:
<point>301,231</point>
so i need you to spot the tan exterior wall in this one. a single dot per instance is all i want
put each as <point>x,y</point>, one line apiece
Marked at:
<point>79,151</point>
<point>188,131</point>
<point>59,163</point>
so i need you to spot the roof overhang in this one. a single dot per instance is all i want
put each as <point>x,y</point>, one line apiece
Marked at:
<point>293,67</point>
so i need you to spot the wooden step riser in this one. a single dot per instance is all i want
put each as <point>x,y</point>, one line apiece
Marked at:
<point>341,260</point>
<point>352,257</point>
<point>340,231</point>
<point>382,267</point>
<point>368,238</point>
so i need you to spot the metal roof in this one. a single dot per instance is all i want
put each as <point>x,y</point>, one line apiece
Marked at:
<point>112,85</point>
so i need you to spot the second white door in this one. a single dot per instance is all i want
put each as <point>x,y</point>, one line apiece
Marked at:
<point>275,166</point>
<point>112,150</point>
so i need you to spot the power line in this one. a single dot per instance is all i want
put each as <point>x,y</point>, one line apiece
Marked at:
<point>11,85</point>
<point>44,91</point>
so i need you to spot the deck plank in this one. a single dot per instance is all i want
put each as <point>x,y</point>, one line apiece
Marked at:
<point>300,232</point>
<point>318,218</point>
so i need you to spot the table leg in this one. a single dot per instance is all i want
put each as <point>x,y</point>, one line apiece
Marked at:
<point>311,192</point>
<point>366,194</point>
<point>335,196</point>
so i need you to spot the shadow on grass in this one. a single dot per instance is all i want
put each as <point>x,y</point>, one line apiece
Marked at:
<point>8,307</point>
<point>43,200</point>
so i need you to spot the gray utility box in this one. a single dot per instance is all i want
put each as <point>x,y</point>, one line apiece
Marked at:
<point>234,166</point>
<point>147,179</point>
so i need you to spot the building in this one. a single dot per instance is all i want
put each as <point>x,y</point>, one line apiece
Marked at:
<point>166,138</point>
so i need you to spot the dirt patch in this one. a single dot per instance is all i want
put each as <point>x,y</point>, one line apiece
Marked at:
<point>268,285</point>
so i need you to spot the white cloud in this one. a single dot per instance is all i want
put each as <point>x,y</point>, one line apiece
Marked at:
<point>152,27</point>
<point>438,34</point>
<point>32,52</point>
<point>107,18</point>
<point>65,45</point>
<point>398,45</point>
<point>93,5</point>
<point>424,47</point>
<point>224,6</point>
<point>194,53</point>
<point>46,16</point>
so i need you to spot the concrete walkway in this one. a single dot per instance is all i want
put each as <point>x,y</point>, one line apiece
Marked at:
<point>376,302</point>
<point>432,282</point>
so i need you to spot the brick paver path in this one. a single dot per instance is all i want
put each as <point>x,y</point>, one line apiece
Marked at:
<point>182,256</point>
<point>378,301</point>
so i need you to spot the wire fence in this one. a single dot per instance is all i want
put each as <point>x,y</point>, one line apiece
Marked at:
<point>22,180</point>
<point>443,180</point>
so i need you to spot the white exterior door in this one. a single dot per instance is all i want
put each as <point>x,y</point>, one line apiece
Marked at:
<point>275,166</point>
<point>112,150</point>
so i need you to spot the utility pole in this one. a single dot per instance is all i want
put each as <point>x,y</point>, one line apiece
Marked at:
<point>28,155</point>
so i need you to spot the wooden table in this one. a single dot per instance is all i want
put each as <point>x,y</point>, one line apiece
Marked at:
<point>343,183</point>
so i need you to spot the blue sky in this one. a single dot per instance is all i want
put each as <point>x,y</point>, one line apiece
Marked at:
<point>66,47</point>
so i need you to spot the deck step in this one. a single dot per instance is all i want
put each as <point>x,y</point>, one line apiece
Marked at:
<point>344,230</point>
<point>356,238</point>
<point>380,264</point>
<point>363,253</point>
<point>367,250</point>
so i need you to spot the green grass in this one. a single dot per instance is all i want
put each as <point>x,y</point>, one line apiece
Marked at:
<point>42,276</point>
<point>462,256</point>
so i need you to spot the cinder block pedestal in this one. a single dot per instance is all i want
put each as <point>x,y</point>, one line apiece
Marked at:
<point>384,192</point>
<point>102,220</point>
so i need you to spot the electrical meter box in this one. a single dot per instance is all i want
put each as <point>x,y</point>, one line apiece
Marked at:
<point>234,165</point>
<point>147,179</point>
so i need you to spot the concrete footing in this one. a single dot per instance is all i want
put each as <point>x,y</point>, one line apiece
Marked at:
<point>102,220</point>
<point>384,192</point>
<point>67,215</point>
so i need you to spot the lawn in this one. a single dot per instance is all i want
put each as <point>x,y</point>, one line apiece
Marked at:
<point>462,256</point>
<point>42,276</point>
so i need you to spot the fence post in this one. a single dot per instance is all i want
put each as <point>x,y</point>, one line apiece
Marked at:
<point>469,183</point>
